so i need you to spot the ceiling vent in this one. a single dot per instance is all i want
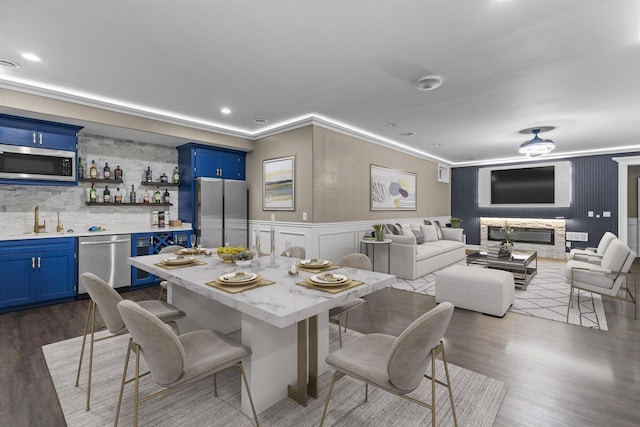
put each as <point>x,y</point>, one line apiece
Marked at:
<point>428,83</point>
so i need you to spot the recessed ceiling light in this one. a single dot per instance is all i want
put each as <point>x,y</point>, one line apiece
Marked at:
<point>8,64</point>
<point>225,110</point>
<point>428,83</point>
<point>31,57</point>
<point>436,144</point>
<point>392,124</point>
<point>261,121</point>
<point>408,134</point>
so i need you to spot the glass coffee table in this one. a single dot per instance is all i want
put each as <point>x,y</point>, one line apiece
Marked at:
<point>523,264</point>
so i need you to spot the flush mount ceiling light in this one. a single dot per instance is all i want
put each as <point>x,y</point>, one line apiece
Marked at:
<point>428,83</point>
<point>537,146</point>
<point>31,57</point>
<point>8,64</point>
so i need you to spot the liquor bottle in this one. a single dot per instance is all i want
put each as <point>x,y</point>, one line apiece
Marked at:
<point>176,176</point>
<point>166,198</point>
<point>80,168</point>
<point>146,199</point>
<point>106,171</point>
<point>164,178</point>
<point>118,195</point>
<point>93,170</point>
<point>157,196</point>
<point>117,173</point>
<point>93,195</point>
<point>132,195</point>
<point>106,195</point>
<point>148,174</point>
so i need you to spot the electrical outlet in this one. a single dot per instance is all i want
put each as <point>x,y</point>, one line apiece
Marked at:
<point>568,244</point>
<point>606,214</point>
<point>304,216</point>
<point>590,214</point>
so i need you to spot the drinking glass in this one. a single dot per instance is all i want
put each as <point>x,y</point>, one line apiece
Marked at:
<point>192,240</point>
<point>287,249</point>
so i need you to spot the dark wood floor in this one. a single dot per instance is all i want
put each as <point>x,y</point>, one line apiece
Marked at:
<point>558,374</point>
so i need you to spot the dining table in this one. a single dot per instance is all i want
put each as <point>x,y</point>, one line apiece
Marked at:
<point>284,321</point>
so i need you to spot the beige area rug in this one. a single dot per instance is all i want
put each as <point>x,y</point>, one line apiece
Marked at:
<point>547,296</point>
<point>477,397</point>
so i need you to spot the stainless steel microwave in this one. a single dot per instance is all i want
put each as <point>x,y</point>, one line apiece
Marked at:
<point>39,164</point>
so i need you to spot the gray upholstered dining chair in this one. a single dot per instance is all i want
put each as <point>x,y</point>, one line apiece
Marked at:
<point>397,365</point>
<point>608,278</point>
<point>361,262</point>
<point>167,250</point>
<point>593,255</point>
<point>175,360</point>
<point>296,252</point>
<point>106,299</point>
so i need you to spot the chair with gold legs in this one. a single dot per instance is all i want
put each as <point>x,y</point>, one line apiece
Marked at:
<point>167,250</point>
<point>175,360</point>
<point>361,262</point>
<point>106,299</point>
<point>397,365</point>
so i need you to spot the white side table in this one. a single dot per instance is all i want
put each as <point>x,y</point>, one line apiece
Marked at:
<point>374,243</point>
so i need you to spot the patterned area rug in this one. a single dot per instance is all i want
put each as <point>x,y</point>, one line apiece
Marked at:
<point>546,296</point>
<point>477,397</point>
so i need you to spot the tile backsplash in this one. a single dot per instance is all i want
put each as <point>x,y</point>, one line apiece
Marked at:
<point>17,202</point>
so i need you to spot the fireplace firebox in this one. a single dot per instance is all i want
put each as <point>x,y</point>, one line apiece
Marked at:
<point>541,236</point>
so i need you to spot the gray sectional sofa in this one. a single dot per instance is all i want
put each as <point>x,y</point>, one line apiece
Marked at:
<point>410,260</point>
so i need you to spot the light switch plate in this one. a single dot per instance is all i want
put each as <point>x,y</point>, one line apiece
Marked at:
<point>606,214</point>
<point>590,214</point>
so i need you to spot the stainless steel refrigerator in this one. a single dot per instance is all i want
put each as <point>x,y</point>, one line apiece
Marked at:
<point>221,212</point>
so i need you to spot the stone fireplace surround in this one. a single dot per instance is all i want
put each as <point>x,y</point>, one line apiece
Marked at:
<point>557,250</point>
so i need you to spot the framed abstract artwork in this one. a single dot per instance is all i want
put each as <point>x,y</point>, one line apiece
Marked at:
<point>279,184</point>
<point>392,190</point>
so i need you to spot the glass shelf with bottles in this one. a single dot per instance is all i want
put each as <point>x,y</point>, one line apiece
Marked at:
<point>126,204</point>
<point>159,183</point>
<point>112,181</point>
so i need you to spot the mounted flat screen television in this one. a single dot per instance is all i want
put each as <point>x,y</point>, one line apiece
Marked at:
<point>523,186</point>
<point>539,185</point>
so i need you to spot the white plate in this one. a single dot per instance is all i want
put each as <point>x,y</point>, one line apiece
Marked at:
<point>239,277</point>
<point>314,262</point>
<point>179,260</point>
<point>336,279</point>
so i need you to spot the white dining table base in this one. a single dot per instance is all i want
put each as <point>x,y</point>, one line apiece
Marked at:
<point>283,362</point>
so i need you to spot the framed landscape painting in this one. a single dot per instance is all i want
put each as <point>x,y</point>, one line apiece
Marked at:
<point>392,190</point>
<point>279,184</point>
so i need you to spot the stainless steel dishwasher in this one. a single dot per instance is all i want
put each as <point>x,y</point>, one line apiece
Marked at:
<point>106,257</point>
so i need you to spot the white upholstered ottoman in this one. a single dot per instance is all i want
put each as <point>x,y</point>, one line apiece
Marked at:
<point>479,289</point>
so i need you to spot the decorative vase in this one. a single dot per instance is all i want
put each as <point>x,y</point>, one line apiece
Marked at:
<point>379,235</point>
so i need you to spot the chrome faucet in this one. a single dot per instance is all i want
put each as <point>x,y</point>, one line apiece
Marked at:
<point>36,226</point>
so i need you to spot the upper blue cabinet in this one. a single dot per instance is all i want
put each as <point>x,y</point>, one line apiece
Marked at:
<point>202,161</point>
<point>38,133</point>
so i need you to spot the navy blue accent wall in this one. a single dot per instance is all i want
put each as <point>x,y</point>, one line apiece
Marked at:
<point>594,188</point>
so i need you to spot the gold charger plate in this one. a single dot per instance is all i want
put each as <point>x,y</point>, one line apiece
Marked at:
<point>237,289</point>
<point>314,263</point>
<point>173,267</point>
<point>250,279</point>
<point>173,261</point>
<point>331,290</point>
<point>329,280</point>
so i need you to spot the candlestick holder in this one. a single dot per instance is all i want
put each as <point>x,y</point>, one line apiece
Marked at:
<point>257,264</point>
<point>273,264</point>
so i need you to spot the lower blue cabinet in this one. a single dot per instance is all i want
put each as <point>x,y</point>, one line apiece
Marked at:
<point>36,271</point>
<point>150,244</point>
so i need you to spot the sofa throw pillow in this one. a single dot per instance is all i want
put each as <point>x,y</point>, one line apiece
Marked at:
<point>429,233</point>
<point>419,236</point>
<point>438,230</point>
<point>427,222</point>
<point>393,229</point>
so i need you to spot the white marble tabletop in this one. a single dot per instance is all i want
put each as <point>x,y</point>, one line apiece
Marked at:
<point>281,304</point>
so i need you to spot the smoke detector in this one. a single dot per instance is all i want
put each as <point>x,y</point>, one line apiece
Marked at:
<point>428,83</point>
